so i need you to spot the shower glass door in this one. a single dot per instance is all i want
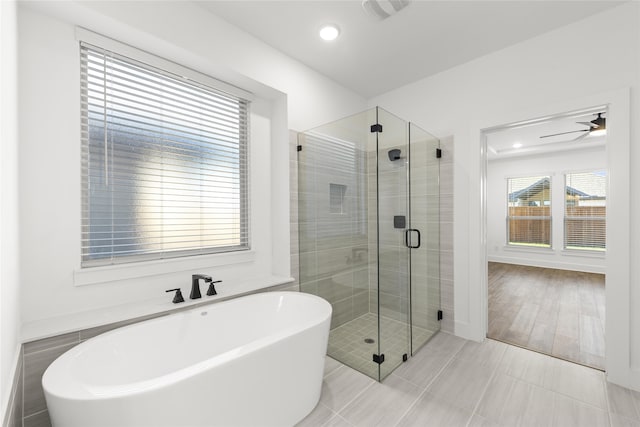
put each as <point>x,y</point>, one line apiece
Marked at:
<point>424,206</point>
<point>393,230</point>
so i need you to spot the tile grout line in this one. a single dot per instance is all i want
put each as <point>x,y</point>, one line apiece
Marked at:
<point>417,399</point>
<point>549,387</point>
<point>53,348</point>
<point>559,393</point>
<point>554,405</point>
<point>413,404</point>
<point>34,414</point>
<point>484,392</point>
<point>325,375</point>
<point>555,356</point>
<point>606,397</point>
<point>568,396</point>
<point>336,415</point>
<point>333,413</point>
<point>353,399</point>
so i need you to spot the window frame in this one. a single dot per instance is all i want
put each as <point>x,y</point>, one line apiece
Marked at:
<point>207,257</point>
<point>565,218</point>
<point>529,246</point>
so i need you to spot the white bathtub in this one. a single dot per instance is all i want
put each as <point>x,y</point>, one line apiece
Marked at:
<point>252,361</point>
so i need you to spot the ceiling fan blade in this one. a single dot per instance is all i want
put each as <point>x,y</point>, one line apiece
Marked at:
<point>563,133</point>
<point>590,124</point>
<point>584,135</point>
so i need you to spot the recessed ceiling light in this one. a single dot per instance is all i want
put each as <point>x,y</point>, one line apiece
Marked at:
<point>517,145</point>
<point>329,32</point>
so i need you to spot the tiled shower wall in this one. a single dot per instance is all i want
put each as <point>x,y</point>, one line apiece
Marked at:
<point>332,225</point>
<point>293,207</point>
<point>446,234</point>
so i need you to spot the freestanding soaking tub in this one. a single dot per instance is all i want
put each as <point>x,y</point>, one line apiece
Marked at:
<point>253,361</point>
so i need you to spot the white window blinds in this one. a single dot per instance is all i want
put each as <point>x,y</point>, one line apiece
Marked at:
<point>164,163</point>
<point>529,211</point>
<point>585,211</point>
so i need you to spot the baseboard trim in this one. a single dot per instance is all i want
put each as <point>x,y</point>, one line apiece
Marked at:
<point>628,378</point>
<point>469,332</point>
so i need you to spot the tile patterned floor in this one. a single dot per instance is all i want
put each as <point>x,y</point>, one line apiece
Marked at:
<point>454,382</point>
<point>347,342</point>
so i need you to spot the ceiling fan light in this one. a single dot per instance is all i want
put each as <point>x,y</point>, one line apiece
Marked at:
<point>598,132</point>
<point>382,9</point>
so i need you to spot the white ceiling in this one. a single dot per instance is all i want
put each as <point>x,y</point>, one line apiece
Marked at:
<point>500,143</point>
<point>372,57</point>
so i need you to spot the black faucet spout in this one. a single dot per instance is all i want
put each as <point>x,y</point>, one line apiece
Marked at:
<point>195,285</point>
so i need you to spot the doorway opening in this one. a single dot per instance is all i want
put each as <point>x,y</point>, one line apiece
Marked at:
<point>546,193</point>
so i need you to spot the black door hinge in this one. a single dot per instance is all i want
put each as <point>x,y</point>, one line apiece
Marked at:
<point>378,358</point>
<point>439,314</point>
<point>299,147</point>
<point>376,128</point>
<point>438,153</point>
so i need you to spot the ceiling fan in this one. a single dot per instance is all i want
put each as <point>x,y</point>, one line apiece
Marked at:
<point>597,127</point>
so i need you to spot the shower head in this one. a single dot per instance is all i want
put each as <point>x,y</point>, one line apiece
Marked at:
<point>394,154</point>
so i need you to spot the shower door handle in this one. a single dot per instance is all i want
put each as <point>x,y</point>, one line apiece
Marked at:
<point>406,238</point>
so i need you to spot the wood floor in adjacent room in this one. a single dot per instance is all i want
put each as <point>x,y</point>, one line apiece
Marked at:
<point>556,312</point>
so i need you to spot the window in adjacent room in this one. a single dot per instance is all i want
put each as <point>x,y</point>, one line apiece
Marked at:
<point>529,211</point>
<point>585,211</point>
<point>164,163</point>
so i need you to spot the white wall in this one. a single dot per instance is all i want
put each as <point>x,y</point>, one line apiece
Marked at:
<point>49,164</point>
<point>534,75</point>
<point>213,45</point>
<point>555,165</point>
<point>9,240</point>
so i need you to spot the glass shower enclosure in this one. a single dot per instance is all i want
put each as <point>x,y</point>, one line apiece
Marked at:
<point>369,237</point>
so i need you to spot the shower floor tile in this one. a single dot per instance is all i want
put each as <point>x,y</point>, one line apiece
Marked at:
<point>347,342</point>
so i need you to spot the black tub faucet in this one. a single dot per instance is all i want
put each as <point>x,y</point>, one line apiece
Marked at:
<point>212,288</point>
<point>195,285</point>
<point>178,296</point>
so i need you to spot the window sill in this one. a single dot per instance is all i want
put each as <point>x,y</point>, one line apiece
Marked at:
<point>584,254</point>
<point>531,249</point>
<point>113,273</point>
